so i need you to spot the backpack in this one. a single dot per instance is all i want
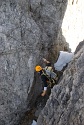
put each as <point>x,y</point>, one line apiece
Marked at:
<point>51,81</point>
<point>49,71</point>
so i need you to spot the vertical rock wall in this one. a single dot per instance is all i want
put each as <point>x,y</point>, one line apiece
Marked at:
<point>28,30</point>
<point>66,103</point>
<point>19,38</point>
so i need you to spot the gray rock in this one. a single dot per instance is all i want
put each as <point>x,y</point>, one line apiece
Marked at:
<point>65,105</point>
<point>28,31</point>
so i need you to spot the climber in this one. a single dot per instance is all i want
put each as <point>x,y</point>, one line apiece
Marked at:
<point>45,78</point>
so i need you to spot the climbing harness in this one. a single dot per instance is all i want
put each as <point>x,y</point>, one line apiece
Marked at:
<point>49,71</point>
<point>51,81</point>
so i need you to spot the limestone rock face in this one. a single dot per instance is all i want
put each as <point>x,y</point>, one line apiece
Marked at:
<point>28,30</point>
<point>66,103</point>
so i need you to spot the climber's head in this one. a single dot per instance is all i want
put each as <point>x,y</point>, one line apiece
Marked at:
<point>38,68</point>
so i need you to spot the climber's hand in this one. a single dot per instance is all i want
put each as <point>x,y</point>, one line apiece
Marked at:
<point>43,93</point>
<point>44,60</point>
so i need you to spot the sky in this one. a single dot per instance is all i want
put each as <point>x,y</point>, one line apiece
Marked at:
<point>73,45</point>
<point>73,24</point>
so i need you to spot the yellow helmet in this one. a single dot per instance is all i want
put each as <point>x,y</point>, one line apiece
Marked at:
<point>38,68</point>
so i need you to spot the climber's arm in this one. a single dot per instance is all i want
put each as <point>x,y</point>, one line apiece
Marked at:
<point>45,60</point>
